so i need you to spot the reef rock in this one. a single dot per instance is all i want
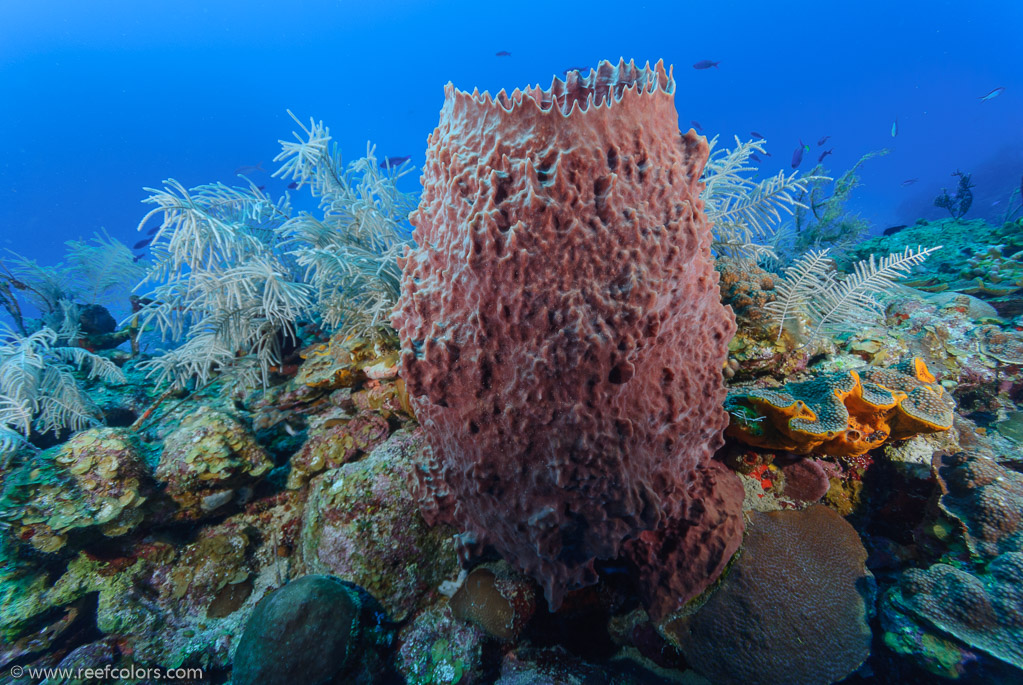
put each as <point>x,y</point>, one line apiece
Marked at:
<point>207,459</point>
<point>361,523</point>
<point>562,334</point>
<point>97,481</point>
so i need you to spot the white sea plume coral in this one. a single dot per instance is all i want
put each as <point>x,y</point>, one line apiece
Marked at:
<point>744,212</point>
<point>222,285</point>
<point>350,256</point>
<point>101,268</point>
<point>38,390</point>
<point>814,288</point>
<point>234,272</point>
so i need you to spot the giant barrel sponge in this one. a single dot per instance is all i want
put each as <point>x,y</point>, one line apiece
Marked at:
<point>561,330</point>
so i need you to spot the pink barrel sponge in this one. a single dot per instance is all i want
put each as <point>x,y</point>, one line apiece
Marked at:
<point>562,335</point>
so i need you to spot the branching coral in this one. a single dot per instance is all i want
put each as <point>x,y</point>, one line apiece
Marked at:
<point>960,203</point>
<point>38,391</point>
<point>741,210</point>
<point>821,218</point>
<point>813,288</point>
<point>351,254</point>
<point>234,272</point>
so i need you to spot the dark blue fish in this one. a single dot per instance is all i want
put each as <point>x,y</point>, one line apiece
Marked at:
<point>394,161</point>
<point>893,230</point>
<point>706,64</point>
<point>910,181</point>
<point>824,154</point>
<point>696,125</point>
<point>755,158</point>
<point>756,135</point>
<point>141,244</point>
<point>822,141</point>
<point>503,53</point>
<point>138,258</point>
<point>153,230</point>
<point>292,185</point>
<point>797,155</point>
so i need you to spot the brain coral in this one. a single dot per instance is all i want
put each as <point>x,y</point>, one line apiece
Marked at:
<point>793,608</point>
<point>562,335</point>
<point>843,413</point>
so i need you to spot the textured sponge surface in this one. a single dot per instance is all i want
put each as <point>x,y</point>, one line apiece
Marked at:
<point>562,336</point>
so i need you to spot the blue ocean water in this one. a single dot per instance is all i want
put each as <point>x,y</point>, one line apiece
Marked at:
<point>101,99</point>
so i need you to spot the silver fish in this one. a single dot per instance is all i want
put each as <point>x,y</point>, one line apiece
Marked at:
<point>992,95</point>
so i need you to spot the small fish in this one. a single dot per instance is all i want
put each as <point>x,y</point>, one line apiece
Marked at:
<point>249,169</point>
<point>394,161</point>
<point>910,181</point>
<point>696,125</point>
<point>706,64</point>
<point>797,155</point>
<point>581,70</point>
<point>141,244</point>
<point>825,154</point>
<point>992,95</point>
<point>138,258</point>
<point>996,202</point>
<point>503,53</point>
<point>292,185</point>
<point>261,188</point>
<point>755,158</point>
<point>768,153</point>
<point>153,230</point>
<point>756,135</point>
<point>822,141</point>
<point>895,127</point>
<point>893,230</point>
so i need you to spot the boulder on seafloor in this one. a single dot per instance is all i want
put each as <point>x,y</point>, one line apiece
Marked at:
<point>315,630</point>
<point>362,523</point>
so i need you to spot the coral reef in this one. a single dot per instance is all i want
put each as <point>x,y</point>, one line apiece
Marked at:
<point>561,333</point>
<point>985,498</point>
<point>841,414</point>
